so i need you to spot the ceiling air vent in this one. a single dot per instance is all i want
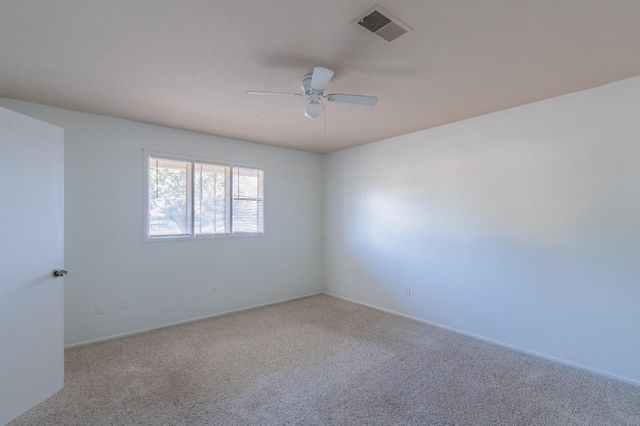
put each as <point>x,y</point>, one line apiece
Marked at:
<point>383,24</point>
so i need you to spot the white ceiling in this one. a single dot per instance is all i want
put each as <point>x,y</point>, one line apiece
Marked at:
<point>187,63</point>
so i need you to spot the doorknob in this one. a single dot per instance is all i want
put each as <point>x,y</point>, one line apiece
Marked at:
<point>59,273</point>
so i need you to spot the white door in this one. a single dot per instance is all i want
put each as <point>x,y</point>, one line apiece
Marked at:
<point>31,299</point>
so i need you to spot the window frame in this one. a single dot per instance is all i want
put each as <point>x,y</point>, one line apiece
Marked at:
<point>191,185</point>
<point>232,197</point>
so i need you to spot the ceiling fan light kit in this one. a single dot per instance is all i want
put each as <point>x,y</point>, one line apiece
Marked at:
<point>314,109</point>
<point>313,86</point>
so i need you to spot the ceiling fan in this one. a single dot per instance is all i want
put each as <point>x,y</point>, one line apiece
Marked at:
<point>313,86</point>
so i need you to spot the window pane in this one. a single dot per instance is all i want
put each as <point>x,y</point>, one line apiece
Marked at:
<point>169,201</point>
<point>211,213</point>
<point>247,201</point>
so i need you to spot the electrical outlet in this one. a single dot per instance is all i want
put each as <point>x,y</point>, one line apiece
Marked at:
<point>99,308</point>
<point>407,291</point>
<point>125,303</point>
<point>214,291</point>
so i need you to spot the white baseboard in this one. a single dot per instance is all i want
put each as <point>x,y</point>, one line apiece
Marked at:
<point>144,330</point>
<point>499,343</point>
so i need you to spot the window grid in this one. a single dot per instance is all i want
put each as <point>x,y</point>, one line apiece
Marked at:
<point>206,200</point>
<point>248,195</point>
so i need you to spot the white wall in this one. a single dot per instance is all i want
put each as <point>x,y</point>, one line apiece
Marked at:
<point>171,281</point>
<point>521,226</point>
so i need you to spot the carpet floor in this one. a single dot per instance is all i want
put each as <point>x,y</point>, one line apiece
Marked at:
<point>323,361</point>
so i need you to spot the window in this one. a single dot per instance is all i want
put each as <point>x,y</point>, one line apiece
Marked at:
<point>189,198</point>
<point>247,200</point>
<point>169,197</point>
<point>211,210</point>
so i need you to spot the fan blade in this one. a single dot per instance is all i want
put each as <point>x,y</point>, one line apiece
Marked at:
<point>254,92</point>
<point>320,78</point>
<point>353,99</point>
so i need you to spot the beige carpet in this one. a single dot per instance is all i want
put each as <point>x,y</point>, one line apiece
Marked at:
<point>323,361</point>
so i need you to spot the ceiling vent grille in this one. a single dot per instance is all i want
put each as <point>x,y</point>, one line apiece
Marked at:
<point>382,23</point>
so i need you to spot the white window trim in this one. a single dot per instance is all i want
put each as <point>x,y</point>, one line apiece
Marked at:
<point>180,157</point>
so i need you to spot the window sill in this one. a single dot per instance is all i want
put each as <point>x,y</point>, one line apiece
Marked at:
<point>201,237</point>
